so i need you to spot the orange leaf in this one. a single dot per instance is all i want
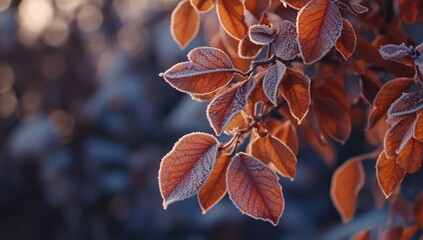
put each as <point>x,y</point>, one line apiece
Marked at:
<point>395,135</point>
<point>203,5</point>
<point>411,156</point>
<point>274,152</point>
<point>295,89</point>
<point>388,93</point>
<point>231,17</point>
<point>257,8</point>
<point>185,169</point>
<point>418,127</point>
<point>297,4</point>
<point>284,131</point>
<point>237,122</point>
<point>271,81</point>
<point>319,25</point>
<point>208,70</point>
<point>348,40</point>
<point>334,119</point>
<point>418,210</point>
<point>347,181</point>
<point>286,43</point>
<point>389,175</point>
<point>214,188</point>
<point>362,235</point>
<point>184,24</point>
<point>407,103</point>
<point>248,49</point>
<point>254,189</point>
<point>224,107</point>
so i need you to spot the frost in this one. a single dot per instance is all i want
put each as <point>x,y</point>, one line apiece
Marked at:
<point>210,57</point>
<point>286,44</point>
<point>225,106</point>
<point>271,81</point>
<point>407,103</point>
<point>390,51</point>
<point>260,34</point>
<point>358,8</point>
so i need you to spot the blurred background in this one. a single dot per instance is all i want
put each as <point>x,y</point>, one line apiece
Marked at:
<point>85,120</point>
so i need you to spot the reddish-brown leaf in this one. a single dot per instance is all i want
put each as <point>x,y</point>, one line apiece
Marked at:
<point>276,154</point>
<point>248,49</point>
<point>397,53</point>
<point>271,81</point>
<point>231,17</point>
<point>203,5</point>
<point>295,89</point>
<point>411,156</point>
<point>257,8</point>
<point>389,92</point>
<point>254,189</point>
<point>297,4</point>
<point>389,175</point>
<point>333,118</point>
<point>319,25</point>
<point>208,70</point>
<point>214,188</point>
<point>418,127</point>
<point>185,169</point>
<point>406,104</point>
<point>347,182</point>
<point>411,11</point>
<point>347,41</point>
<point>237,122</point>
<point>418,210</point>
<point>224,107</point>
<point>395,135</point>
<point>260,34</point>
<point>284,131</point>
<point>286,43</point>
<point>362,235</point>
<point>358,8</point>
<point>184,23</point>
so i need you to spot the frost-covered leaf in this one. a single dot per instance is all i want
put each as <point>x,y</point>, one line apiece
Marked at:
<point>406,104</point>
<point>411,155</point>
<point>248,49</point>
<point>319,25</point>
<point>254,189</point>
<point>271,81</point>
<point>214,188</point>
<point>347,41</point>
<point>203,5</point>
<point>333,118</point>
<point>260,34</point>
<point>284,131</point>
<point>347,182</point>
<point>231,17</point>
<point>224,107</point>
<point>358,8</point>
<point>184,24</point>
<point>208,70</point>
<point>389,175</point>
<point>295,89</point>
<point>286,43</point>
<point>297,4</point>
<point>395,135</point>
<point>185,169</point>
<point>387,94</point>
<point>257,8</point>
<point>276,154</point>
<point>397,53</point>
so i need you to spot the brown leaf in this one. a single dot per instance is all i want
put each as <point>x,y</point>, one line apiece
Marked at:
<point>406,104</point>
<point>388,93</point>
<point>208,70</point>
<point>257,8</point>
<point>418,126</point>
<point>203,5</point>
<point>185,169</point>
<point>362,235</point>
<point>275,153</point>
<point>231,17</point>
<point>418,210</point>
<point>214,189</point>
<point>319,25</point>
<point>358,8</point>
<point>184,23</point>
<point>295,89</point>
<point>389,175</point>
<point>347,181</point>
<point>248,49</point>
<point>396,53</point>
<point>286,43</point>
<point>260,34</point>
<point>224,107</point>
<point>411,156</point>
<point>254,189</point>
<point>347,41</point>
<point>284,131</point>
<point>297,4</point>
<point>395,135</point>
<point>334,119</point>
<point>271,81</point>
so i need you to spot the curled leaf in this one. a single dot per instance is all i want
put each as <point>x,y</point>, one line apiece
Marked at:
<point>358,8</point>
<point>254,189</point>
<point>271,81</point>
<point>184,169</point>
<point>224,107</point>
<point>397,53</point>
<point>347,41</point>
<point>184,23</point>
<point>208,70</point>
<point>248,49</point>
<point>260,34</point>
<point>319,25</point>
<point>389,175</point>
